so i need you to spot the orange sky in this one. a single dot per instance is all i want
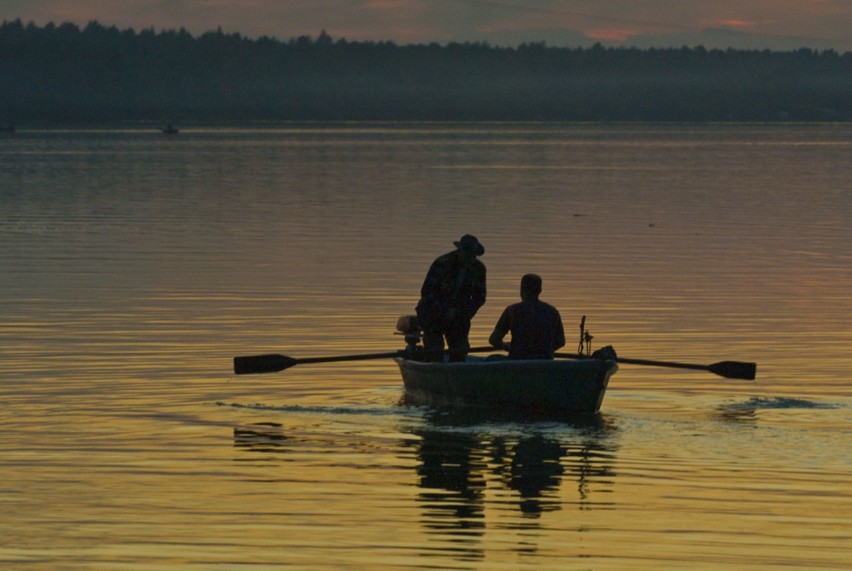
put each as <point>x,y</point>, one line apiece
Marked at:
<point>774,24</point>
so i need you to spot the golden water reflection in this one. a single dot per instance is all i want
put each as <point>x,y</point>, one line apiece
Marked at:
<point>135,269</point>
<point>474,481</point>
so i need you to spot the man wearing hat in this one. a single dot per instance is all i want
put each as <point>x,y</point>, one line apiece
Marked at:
<point>452,293</point>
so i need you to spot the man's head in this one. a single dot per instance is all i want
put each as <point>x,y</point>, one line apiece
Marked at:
<point>469,247</point>
<point>530,286</point>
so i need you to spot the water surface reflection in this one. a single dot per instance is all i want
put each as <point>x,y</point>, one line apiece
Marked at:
<point>262,437</point>
<point>514,473</point>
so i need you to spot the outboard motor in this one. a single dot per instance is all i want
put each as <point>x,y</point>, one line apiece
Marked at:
<point>408,326</point>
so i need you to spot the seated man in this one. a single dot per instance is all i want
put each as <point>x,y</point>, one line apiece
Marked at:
<point>536,326</point>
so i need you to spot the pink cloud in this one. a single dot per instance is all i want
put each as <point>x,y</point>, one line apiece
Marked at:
<point>610,34</point>
<point>734,23</point>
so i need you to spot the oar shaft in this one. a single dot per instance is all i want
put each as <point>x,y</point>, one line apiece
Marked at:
<point>338,358</point>
<point>368,356</point>
<point>728,369</point>
<point>274,363</point>
<point>641,362</point>
<point>671,364</point>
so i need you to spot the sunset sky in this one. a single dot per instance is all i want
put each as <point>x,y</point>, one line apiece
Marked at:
<point>774,24</point>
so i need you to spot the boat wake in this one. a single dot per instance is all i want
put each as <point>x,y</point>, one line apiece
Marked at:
<point>334,410</point>
<point>758,403</point>
<point>445,418</point>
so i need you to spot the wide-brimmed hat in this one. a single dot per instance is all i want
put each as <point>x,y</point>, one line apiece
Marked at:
<point>470,244</point>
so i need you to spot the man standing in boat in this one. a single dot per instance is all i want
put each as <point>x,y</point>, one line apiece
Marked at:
<point>452,293</point>
<point>536,326</point>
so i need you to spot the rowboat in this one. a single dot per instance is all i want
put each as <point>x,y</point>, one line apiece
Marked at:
<point>559,385</point>
<point>572,383</point>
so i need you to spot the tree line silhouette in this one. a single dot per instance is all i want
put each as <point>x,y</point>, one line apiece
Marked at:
<point>67,74</point>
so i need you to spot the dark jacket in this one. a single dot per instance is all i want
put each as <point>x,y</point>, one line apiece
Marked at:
<point>450,285</point>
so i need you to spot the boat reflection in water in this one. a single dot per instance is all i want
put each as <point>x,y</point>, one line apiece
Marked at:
<point>513,471</point>
<point>262,437</point>
<point>480,476</point>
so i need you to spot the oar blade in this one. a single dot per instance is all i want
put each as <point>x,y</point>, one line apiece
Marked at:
<point>734,370</point>
<point>255,364</point>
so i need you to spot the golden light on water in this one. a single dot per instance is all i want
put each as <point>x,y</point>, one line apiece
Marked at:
<point>129,443</point>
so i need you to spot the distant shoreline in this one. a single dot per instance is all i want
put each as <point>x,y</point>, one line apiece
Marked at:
<point>190,128</point>
<point>98,75</point>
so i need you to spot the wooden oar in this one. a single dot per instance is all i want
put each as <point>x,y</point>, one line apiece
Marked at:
<point>727,369</point>
<point>273,363</point>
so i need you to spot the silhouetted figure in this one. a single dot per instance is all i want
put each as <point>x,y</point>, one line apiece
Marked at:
<point>536,326</point>
<point>452,293</point>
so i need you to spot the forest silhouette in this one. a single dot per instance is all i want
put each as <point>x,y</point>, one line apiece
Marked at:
<point>64,73</point>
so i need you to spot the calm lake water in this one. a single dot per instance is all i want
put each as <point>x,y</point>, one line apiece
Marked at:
<point>134,266</point>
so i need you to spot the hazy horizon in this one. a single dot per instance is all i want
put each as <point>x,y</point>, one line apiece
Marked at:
<point>750,24</point>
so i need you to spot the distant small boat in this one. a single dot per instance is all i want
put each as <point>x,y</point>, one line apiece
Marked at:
<point>169,130</point>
